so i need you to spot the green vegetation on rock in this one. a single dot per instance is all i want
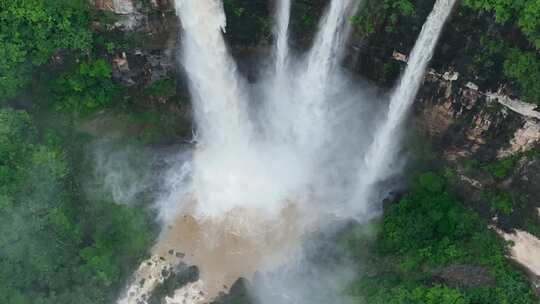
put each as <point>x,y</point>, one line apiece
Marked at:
<point>375,13</point>
<point>88,88</point>
<point>524,68</point>
<point>501,169</point>
<point>501,202</point>
<point>490,42</point>
<point>248,22</point>
<point>523,13</point>
<point>32,31</point>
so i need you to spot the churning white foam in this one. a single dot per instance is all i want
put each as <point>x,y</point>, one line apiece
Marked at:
<point>307,148</point>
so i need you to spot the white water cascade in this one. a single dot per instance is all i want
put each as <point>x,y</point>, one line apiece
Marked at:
<point>382,153</point>
<point>227,168</point>
<point>313,82</point>
<point>217,90</point>
<point>251,188</point>
<point>282,36</point>
<point>278,130</point>
<point>328,48</point>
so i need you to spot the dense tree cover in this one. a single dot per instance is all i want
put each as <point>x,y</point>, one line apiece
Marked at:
<point>502,51</point>
<point>523,13</point>
<point>388,26</point>
<point>385,12</point>
<point>55,246</point>
<point>426,231</point>
<point>524,68</point>
<point>442,218</point>
<point>87,88</point>
<point>500,58</point>
<point>32,31</point>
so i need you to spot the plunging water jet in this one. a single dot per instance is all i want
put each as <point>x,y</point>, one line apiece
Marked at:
<point>281,31</point>
<point>380,159</point>
<point>314,76</point>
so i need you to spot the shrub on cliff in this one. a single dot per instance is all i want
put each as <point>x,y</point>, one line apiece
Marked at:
<point>86,89</point>
<point>525,14</point>
<point>31,31</point>
<point>429,230</point>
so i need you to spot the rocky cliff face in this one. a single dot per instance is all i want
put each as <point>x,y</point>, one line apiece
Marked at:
<point>463,119</point>
<point>149,32</point>
<point>466,121</point>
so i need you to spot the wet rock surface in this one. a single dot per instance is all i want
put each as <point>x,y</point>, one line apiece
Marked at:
<point>239,293</point>
<point>122,7</point>
<point>465,122</point>
<point>175,278</point>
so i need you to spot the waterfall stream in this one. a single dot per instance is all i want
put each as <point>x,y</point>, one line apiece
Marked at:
<point>314,77</point>
<point>382,153</point>
<point>251,194</point>
<point>217,90</point>
<point>282,36</point>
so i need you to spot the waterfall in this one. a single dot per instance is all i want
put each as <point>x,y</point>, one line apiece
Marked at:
<point>217,89</point>
<point>328,47</point>
<point>263,185</point>
<point>313,81</point>
<point>382,153</point>
<point>297,110</point>
<point>277,87</point>
<point>281,35</point>
<point>226,168</point>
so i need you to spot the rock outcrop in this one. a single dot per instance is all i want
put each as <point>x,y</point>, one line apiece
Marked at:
<point>525,138</point>
<point>127,14</point>
<point>525,250</point>
<point>148,33</point>
<point>122,7</point>
<point>465,121</point>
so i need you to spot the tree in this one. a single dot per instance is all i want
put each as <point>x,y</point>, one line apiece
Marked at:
<point>32,30</point>
<point>88,88</point>
<point>55,246</point>
<point>523,13</point>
